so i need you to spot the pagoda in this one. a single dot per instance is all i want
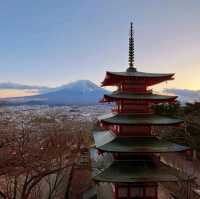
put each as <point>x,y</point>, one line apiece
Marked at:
<point>136,169</point>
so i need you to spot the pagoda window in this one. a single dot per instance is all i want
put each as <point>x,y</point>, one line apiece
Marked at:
<point>118,107</point>
<point>133,191</point>
<point>136,102</point>
<point>136,131</point>
<point>130,156</point>
<point>121,87</point>
<point>136,192</point>
<point>115,128</point>
<point>138,82</point>
<point>122,192</point>
<point>134,88</point>
<point>129,108</point>
<point>151,191</point>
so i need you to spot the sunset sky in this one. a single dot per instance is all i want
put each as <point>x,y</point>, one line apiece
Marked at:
<point>53,42</point>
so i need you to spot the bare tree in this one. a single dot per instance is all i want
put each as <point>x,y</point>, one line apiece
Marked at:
<point>36,155</point>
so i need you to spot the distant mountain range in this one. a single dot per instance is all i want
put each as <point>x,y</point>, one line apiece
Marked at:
<point>81,92</point>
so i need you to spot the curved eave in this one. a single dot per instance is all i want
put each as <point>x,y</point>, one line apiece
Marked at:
<point>152,98</point>
<point>141,171</point>
<point>139,145</point>
<point>139,74</point>
<point>146,120</point>
<point>114,78</point>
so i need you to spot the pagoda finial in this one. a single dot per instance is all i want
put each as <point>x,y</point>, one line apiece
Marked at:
<point>131,58</point>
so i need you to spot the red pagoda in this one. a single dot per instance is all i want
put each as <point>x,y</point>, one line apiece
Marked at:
<point>128,134</point>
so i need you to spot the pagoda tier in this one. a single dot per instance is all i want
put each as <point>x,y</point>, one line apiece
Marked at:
<point>135,97</point>
<point>147,79</point>
<point>132,102</point>
<point>138,120</point>
<point>128,171</point>
<point>107,141</point>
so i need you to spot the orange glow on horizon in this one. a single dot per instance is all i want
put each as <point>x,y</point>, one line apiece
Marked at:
<point>8,93</point>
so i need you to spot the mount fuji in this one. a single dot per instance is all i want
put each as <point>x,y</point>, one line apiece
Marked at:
<point>81,92</point>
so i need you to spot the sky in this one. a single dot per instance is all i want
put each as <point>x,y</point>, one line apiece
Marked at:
<point>54,42</point>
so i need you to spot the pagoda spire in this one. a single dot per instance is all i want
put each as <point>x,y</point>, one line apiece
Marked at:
<point>131,58</point>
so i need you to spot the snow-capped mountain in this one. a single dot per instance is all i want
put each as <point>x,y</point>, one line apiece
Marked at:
<point>80,85</point>
<point>81,92</point>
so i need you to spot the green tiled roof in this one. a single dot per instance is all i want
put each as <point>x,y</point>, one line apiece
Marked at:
<point>139,171</point>
<point>137,119</point>
<point>107,141</point>
<point>133,96</point>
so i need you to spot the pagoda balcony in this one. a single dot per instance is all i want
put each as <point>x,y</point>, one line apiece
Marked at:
<point>150,98</point>
<point>131,110</point>
<point>133,190</point>
<point>146,92</point>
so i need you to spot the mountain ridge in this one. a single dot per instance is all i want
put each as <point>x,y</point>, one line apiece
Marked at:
<point>80,92</point>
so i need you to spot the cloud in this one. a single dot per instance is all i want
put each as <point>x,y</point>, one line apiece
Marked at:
<point>7,93</point>
<point>10,85</point>
<point>10,89</point>
<point>185,95</point>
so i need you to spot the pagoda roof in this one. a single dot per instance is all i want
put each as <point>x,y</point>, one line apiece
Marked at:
<point>109,142</point>
<point>139,119</point>
<point>138,96</point>
<point>141,74</point>
<point>126,171</point>
<point>113,78</point>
